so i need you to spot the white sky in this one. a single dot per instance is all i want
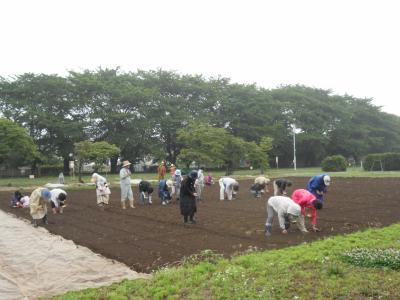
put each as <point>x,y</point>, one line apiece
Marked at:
<point>349,46</point>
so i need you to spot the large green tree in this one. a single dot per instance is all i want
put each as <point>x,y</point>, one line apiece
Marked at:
<point>16,146</point>
<point>97,152</point>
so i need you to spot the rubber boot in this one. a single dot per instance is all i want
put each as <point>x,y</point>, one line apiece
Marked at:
<point>123,204</point>
<point>45,221</point>
<point>131,203</point>
<point>268,230</point>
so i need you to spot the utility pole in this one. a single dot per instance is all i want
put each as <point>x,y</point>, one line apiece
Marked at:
<point>294,147</point>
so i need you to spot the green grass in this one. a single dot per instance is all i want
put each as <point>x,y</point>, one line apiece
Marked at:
<point>307,271</point>
<point>239,174</point>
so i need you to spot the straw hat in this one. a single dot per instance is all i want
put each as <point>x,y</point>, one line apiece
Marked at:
<point>126,163</point>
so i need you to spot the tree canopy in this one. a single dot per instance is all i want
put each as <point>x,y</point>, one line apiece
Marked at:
<point>144,113</point>
<point>16,146</point>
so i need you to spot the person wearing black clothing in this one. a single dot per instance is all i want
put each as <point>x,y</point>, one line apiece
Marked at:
<point>280,186</point>
<point>188,198</point>
<point>145,192</point>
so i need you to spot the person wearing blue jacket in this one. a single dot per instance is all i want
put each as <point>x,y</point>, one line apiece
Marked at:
<point>318,186</point>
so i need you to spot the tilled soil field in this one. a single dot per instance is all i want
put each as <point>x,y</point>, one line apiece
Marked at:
<point>149,237</point>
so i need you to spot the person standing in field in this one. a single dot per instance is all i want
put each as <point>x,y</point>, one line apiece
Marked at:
<point>280,186</point>
<point>288,212</point>
<point>229,187</point>
<point>176,184</point>
<point>172,169</point>
<point>126,188</point>
<point>162,170</point>
<point>188,198</point>
<point>102,190</point>
<point>38,205</point>
<point>318,186</point>
<point>306,200</point>
<point>199,184</point>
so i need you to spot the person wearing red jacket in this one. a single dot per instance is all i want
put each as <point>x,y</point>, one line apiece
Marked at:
<point>307,200</point>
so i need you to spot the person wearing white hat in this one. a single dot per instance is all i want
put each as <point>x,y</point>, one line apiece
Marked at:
<point>126,189</point>
<point>38,208</point>
<point>176,184</point>
<point>102,190</point>
<point>318,186</point>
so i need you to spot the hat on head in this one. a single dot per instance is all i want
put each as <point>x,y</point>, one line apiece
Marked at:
<point>46,194</point>
<point>327,180</point>
<point>126,163</point>
<point>178,172</point>
<point>193,175</point>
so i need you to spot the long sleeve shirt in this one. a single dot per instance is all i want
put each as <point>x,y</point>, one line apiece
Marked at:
<point>305,199</point>
<point>316,185</point>
<point>124,175</point>
<point>283,206</point>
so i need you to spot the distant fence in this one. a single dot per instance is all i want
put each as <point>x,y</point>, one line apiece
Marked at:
<point>14,172</point>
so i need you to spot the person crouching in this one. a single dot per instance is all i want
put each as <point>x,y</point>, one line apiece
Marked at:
<point>280,186</point>
<point>37,205</point>
<point>145,192</point>
<point>288,213</point>
<point>58,198</point>
<point>163,191</point>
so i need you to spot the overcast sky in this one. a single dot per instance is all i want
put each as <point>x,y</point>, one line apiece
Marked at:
<point>347,46</point>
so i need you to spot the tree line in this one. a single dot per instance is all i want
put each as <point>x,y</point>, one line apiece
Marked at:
<point>147,112</point>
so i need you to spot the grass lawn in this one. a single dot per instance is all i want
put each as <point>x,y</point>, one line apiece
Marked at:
<point>239,174</point>
<point>307,271</point>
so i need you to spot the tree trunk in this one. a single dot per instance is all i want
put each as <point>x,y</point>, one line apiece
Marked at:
<point>66,165</point>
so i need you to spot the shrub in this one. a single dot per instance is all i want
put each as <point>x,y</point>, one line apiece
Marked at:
<point>335,163</point>
<point>382,162</point>
<point>363,257</point>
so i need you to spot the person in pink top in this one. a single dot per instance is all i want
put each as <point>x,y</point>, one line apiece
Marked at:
<point>307,200</point>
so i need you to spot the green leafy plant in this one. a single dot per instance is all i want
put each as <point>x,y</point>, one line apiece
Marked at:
<point>335,163</point>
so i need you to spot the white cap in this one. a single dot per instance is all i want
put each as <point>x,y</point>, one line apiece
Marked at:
<point>327,180</point>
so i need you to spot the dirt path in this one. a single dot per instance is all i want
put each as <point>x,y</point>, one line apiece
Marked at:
<point>35,263</point>
<point>149,237</point>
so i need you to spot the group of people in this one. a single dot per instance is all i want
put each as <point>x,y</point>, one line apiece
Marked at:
<point>188,190</point>
<point>37,203</point>
<point>292,210</point>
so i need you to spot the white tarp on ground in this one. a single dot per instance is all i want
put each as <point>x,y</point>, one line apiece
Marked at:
<point>35,263</point>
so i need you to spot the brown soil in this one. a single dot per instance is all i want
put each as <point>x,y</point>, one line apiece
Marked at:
<point>148,237</point>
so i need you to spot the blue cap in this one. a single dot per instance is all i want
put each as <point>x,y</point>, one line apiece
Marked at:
<point>46,194</point>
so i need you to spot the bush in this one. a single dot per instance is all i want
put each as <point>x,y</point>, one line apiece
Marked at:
<point>382,162</point>
<point>335,163</point>
<point>362,257</point>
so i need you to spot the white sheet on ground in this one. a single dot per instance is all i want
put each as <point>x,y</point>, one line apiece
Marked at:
<point>35,263</point>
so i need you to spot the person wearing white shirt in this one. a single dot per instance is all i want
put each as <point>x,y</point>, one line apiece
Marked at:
<point>228,186</point>
<point>288,212</point>
<point>58,197</point>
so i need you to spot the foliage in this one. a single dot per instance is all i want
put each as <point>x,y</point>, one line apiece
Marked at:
<point>334,163</point>
<point>142,112</point>
<point>97,152</point>
<point>365,257</point>
<point>16,147</point>
<point>205,144</point>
